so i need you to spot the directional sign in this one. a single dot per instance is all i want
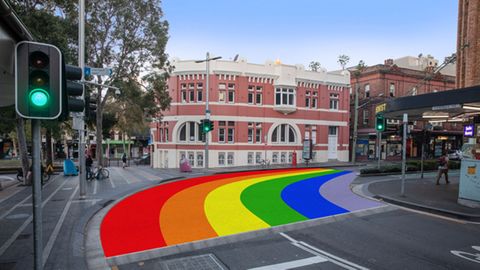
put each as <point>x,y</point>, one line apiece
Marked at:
<point>97,71</point>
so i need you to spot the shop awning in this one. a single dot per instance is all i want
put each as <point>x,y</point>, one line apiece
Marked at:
<point>448,106</point>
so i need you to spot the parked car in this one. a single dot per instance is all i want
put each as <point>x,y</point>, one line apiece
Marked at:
<point>144,160</point>
<point>454,155</point>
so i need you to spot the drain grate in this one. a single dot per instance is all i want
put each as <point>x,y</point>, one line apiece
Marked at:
<point>23,236</point>
<point>7,265</point>
<point>201,262</point>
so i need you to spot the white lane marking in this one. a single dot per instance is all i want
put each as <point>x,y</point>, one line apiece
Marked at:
<point>111,182</point>
<point>124,178</point>
<point>28,197</point>
<point>58,226</point>
<point>315,251</point>
<point>7,243</point>
<point>473,257</point>
<point>12,194</point>
<point>14,236</point>
<point>7,177</point>
<point>95,185</point>
<point>292,264</point>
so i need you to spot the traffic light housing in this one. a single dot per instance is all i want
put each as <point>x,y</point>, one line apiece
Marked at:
<point>90,107</point>
<point>38,80</point>
<point>206,125</point>
<point>379,123</point>
<point>73,91</point>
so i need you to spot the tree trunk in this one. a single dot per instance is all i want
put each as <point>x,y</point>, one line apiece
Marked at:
<point>48,136</point>
<point>99,149</point>
<point>22,144</point>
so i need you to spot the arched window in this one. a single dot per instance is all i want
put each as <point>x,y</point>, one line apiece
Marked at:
<point>190,132</point>
<point>284,133</point>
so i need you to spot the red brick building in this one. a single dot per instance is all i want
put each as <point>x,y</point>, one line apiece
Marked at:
<point>396,78</point>
<point>468,43</point>
<point>259,112</point>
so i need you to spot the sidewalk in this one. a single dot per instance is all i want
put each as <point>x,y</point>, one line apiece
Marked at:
<point>425,195</point>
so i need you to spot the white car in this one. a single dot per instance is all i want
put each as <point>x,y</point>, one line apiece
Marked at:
<point>454,155</point>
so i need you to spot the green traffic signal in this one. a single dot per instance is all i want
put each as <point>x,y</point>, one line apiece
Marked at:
<point>379,123</point>
<point>39,97</point>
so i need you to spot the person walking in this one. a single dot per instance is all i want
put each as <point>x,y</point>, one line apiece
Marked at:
<point>443,168</point>
<point>124,160</point>
<point>88,166</point>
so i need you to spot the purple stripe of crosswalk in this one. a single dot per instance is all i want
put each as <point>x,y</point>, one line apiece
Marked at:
<point>338,192</point>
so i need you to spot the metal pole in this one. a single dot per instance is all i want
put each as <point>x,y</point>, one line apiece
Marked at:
<point>37,196</point>
<point>404,152</point>
<point>81,64</point>
<point>207,110</point>
<point>379,150</point>
<point>355,125</point>
<point>423,157</point>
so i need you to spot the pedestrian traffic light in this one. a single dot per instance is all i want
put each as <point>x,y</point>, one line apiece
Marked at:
<point>380,123</point>
<point>72,101</point>
<point>38,80</point>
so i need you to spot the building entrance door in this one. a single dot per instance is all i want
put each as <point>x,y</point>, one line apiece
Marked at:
<point>332,142</point>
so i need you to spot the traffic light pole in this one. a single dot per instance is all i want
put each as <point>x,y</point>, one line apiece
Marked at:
<point>207,109</point>
<point>379,150</point>
<point>37,195</point>
<point>81,64</point>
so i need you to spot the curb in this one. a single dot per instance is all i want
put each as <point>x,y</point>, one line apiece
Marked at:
<point>429,209</point>
<point>400,173</point>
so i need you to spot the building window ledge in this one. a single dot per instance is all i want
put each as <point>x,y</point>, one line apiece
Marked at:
<point>285,109</point>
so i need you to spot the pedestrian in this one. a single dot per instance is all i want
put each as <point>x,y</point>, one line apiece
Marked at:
<point>442,168</point>
<point>88,166</point>
<point>124,160</point>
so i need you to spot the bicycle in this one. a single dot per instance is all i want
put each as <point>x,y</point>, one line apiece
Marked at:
<point>45,175</point>
<point>265,163</point>
<point>99,173</point>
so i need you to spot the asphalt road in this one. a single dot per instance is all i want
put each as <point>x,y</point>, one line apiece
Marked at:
<point>389,239</point>
<point>394,239</point>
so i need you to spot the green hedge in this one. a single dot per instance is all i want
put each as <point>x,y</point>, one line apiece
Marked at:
<point>412,165</point>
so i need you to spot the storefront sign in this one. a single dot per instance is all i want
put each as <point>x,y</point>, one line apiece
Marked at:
<point>446,107</point>
<point>468,131</point>
<point>381,108</point>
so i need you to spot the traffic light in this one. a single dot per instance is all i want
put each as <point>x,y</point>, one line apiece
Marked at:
<point>72,90</point>
<point>206,125</point>
<point>38,80</point>
<point>380,123</point>
<point>90,107</point>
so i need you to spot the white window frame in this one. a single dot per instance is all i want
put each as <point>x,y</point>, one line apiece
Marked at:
<point>285,93</point>
<point>221,158</point>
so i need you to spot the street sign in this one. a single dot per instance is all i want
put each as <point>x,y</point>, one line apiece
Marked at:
<point>97,71</point>
<point>380,108</point>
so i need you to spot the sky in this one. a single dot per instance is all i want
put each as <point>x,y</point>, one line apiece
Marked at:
<point>301,31</point>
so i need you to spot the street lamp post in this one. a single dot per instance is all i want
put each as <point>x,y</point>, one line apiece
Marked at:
<point>207,109</point>
<point>355,125</point>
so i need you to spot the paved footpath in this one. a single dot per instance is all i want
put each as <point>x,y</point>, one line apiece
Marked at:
<point>65,216</point>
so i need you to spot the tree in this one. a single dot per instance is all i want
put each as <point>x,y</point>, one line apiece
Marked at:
<point>124,35</point>
<point>314,66</point>
<point>343,60</point>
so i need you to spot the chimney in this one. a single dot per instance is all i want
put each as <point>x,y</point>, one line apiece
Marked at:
<point>389,62</point>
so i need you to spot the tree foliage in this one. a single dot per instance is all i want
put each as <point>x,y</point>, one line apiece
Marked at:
<point>130,37</point>
<point>314,66</point>
<point>343,60</point>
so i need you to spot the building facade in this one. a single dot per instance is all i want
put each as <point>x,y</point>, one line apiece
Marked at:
<point>468,43</point>
<point>260,113</point>
<point>397,78</point>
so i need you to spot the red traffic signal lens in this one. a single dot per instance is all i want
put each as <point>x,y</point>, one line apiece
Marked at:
<point>39,59</point>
